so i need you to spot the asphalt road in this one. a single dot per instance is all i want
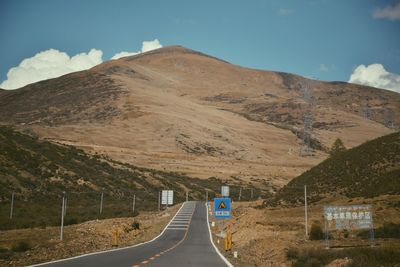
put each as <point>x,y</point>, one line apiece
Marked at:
<point>184,242</point>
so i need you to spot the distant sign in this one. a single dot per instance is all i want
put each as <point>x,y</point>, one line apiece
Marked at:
<point>225,191</point>
<point>222,208</point>
<point>167,197</point>
<point>348,217</point>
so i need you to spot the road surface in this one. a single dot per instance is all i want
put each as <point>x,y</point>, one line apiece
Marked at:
<point>184,242</point>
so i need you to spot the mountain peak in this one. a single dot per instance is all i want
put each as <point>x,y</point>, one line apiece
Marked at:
<point>172,50</point>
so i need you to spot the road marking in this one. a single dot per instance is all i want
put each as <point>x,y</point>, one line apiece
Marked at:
<point>111,250</point>
<point>174,226</point>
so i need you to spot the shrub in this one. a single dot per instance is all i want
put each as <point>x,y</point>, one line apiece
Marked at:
<point>5,253</point>
<point>316,232</point>
<point>136,225</point>
<point>70,221</point>
<point>21,246</point>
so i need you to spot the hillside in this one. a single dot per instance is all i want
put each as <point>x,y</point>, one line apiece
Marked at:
<point>369,170</point>
<point>177,109</point>
<point>38,172</point>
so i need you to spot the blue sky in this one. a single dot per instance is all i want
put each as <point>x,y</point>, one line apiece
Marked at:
<point>315,38</point>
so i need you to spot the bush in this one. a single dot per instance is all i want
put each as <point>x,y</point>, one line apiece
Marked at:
<point>360,257</point>
<point>316,232</point>
<point>135,225</point>
<point>70,221</point>
<point>21,246</point>
<point>5,253</point>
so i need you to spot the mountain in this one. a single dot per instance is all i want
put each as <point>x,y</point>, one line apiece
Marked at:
<point>369,170</point>
<point>39,171</point>
<point>177,109</point>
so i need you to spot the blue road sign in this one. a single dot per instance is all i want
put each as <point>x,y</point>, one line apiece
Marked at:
<point>222,208</point>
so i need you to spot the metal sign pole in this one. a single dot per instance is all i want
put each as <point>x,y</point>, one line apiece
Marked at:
<point>326,233</point>
<point>12,205</point>
<point>305,209</point>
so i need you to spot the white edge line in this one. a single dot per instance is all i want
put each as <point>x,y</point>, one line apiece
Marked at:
<point>212,242</point>
<point>111,250</point>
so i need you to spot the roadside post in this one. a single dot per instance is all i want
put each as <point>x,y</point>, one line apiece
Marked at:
<point>133,204</point>
<point>159,200</point>
<point>12,205</point>
<point>62,216</point>
<point>101,202</point>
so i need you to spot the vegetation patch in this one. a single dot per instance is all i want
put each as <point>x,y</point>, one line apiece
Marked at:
<point>354,257</point>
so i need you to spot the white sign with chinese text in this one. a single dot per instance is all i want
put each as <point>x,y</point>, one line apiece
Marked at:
<point>348,217</point>
<point>225,191</point>
<point>167,197</point>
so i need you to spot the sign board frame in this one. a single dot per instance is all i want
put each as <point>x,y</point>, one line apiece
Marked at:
<point>350,217</point>
<point>222,208</point>
<point>167,197</point>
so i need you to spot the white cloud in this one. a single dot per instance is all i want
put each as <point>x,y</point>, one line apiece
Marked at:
<point>53,63</point>
<point>326,67</point>
<point>375,75</point>
<point>49,64</point>
<point>285,12</point>
<point>124,54</point>
<point>146,46</point>
<point>388,12</point>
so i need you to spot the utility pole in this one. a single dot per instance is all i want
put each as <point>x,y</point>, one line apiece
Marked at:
<point>12,205</point>
<point>101,202</point>
<point>240,194</point>
<point>305,209</point>
<point>62,216</point>
<point>65,206</point>
<point>133,204</point>
<point>159,199</point>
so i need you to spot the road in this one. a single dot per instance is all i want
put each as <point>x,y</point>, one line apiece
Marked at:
<point>184,242</point>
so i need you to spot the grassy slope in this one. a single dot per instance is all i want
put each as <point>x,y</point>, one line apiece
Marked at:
<point>39,171</point>
<point>368,170</point>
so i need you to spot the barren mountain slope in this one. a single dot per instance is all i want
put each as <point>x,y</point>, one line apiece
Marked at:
<point>177,109</point>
